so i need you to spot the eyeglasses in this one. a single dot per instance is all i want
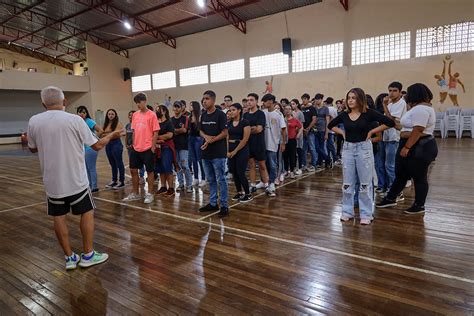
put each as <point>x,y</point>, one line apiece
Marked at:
<point>227,100</point>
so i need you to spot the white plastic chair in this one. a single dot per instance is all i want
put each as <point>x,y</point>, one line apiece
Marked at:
<point>466,122</point>
<point>439,126</point>
<point>451,121</point>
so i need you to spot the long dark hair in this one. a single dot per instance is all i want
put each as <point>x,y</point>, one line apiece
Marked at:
<point>361,100</point>
<point>370,102</point>
<point>298,105</point>
<point>238,106</point>
<point>196,111</point>
<point>83,109</point>
<point>113,123</point>
<point>379,102</point>
<point>164,111</point>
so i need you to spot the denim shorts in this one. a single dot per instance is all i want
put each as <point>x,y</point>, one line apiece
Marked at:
<point>164,164</point>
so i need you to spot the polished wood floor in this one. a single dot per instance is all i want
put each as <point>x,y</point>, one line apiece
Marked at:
<point>274,256</point>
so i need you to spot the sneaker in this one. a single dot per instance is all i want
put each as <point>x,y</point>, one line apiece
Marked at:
<point>270,190</point>
<point>223,212</point>
<point>72,261</point>
<point>277,181</point>
<point>415,210</point>
<point>292,175</point>
<point>365,221</point>
<point>203,183</point>
<point>119,186</point>
<point>246,198</point>
<point>282,177</point>
<point>195,182</point>
<point>260,185</point>
<point>189,189</point>
<point>132,197</point>
<point>311,169</point>
<point>95,190</point>
<point>141,180</point>
<point>400,197</point>
<point>209,208</point>
<point>345,218</point>
<point>380,190</point>
<point>408,184</point>
<point>94,259</point>
<point>110,185</point>
<point>170,192</point>
<point>253,189</point>
<point>148,198</point>
<point>238,196</point>
<point>180,188</point>
<point>162,190</point>
<point>338,162</point>
<point>386,203</point>
<point>298,172</point>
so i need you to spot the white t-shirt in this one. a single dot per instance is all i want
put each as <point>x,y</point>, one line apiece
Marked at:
<point>332,114</point>
<point>420,115</point>
<point>396,110</point>
<point>274,123</point>
<point>60,138</point>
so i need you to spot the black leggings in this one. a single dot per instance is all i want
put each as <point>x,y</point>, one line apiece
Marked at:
<point>238,166</point>
<point>289,155</point>
<point>410,168</point>
<point>339,141</point>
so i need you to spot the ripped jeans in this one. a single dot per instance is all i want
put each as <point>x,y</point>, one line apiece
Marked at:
<point>358,162</point>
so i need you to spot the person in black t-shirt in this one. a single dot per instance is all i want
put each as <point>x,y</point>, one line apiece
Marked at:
<point>239,134</point>
<point>195,141</point>
<point>257,148</point>
<point>309,137</point>
<point>166,153</point>
<point>181,130</point>
<point>213,128</point>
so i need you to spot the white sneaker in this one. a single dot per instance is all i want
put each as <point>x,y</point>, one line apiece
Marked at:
<point>271,187</point>
<point>203,183</point>
<point>277,181</point>
<point>132,197</point>
<point>292,175</point>
<point>260,185</point>
<point>310,169</point>
<point>298,172</point>
<point>72,261</point>
<point>282,177</point>
<point>408,184</point>
<point>195,182</point>
<point>148,198</point>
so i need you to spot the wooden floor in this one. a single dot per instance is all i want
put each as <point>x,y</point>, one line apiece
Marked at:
<point>278,256</point>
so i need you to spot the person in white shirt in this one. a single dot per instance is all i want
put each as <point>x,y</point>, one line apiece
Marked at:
<point>59,138</point>
<point>394,107</point>
<point>275,139</point>
<point>417,149</point>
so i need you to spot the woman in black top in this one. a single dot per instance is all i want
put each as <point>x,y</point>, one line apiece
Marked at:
<point>195,142</point>
<point>357,153</point>
<point>239,133</point>
<point>166,153</point>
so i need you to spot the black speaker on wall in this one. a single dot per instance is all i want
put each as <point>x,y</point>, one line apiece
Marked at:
<point>126,74</point>
<point>286,46</point>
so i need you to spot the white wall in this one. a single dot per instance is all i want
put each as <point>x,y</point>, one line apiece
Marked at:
<point>20,80</point>
<point>318,24</point>
<point>7,58</point>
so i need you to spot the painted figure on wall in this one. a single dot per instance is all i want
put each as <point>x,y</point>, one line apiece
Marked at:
<point>443,85</point>
<point>269,86</point>
<point>453,81</point>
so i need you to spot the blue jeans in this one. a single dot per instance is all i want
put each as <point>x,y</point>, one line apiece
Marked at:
<point>390,155</point>
<point>321,148</point>
<point>309,144</point>
<point>114,151</point>
<point>358,164</point>
<point>331,148</point>
<point>272,165</point>
<point>215,173</point>
<point>91,161</point>
<point>141,172</point>
<point>194,153</point>
<point>182,157</point>
<point>380,167</point>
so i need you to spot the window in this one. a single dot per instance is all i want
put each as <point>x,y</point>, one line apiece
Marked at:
<point>164,80</point>
<point>267,65</point>
<point>141,83</point>
<point>230,70</point>
<point>445,39</point>
<point>319,57</point>
<point>381,48</point>
<point>193,75</point>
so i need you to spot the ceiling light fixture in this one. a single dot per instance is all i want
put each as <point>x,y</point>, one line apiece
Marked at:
<point>127,25</point>
<point>201,3</point>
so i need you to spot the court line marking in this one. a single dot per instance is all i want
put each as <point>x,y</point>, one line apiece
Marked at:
<point>260,194</point>
<point>305,245</point>
<point>293,242</point>
<point>20,207</point>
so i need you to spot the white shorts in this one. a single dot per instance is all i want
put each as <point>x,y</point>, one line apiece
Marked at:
<point>453,91</point>
<point>443,89</point>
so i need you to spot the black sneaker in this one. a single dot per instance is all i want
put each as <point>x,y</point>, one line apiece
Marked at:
<point>95,190</point>
<point>415,210</point>
<point>246,198</point>
<point>119,186</point>
<point>253,189</point>
<point>110,185</point>
<point>224,211</point>
<point>330,165</point>
<point>237,197</point>
<point>209,208</point>
<point>385,203</point>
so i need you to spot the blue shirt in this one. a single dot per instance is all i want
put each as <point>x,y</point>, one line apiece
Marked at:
<point>91,124</point>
